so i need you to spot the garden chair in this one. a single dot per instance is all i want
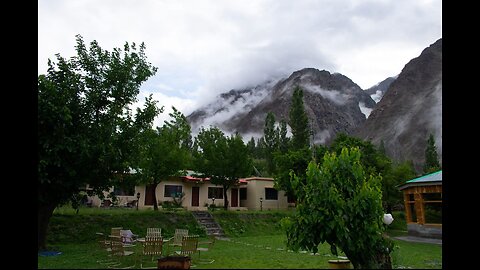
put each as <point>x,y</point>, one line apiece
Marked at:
<point>118,251</point>
<point>206,246</point>
<point>176,240</point>
<point>157,232</point>
<point>102,241</point>
<point>153,246</point>
<point>189,245</point>
<point>116,231</point>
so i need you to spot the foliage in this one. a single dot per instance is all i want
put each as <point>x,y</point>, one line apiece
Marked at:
<point>340,204</point>
<point>271,138</point>
<point>391,179</point>
<point>86,131</point>
<point>164,151</point>
<point>298,121</point>
<point>294,161</point>
<point>431,157</point>
<point>224,159</point>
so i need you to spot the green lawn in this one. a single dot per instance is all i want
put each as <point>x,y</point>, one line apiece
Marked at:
<point>256,241</point>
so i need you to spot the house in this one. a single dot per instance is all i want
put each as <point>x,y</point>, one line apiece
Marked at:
<point>423,205</point>
<point>194,193</point>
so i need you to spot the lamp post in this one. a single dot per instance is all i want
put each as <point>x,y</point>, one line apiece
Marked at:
<point>213,203</point>
<point>261,203</point>
<point>138,199</point>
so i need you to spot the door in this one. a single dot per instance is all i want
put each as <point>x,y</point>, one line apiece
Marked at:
<point>149,191</point>
<point>234,197</point>
<point>195,196</point>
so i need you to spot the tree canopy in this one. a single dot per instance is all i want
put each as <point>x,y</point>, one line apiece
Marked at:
<point>223,159</point>
<point>86,130</point>
<point>339,203</point>
<point>165,151</point>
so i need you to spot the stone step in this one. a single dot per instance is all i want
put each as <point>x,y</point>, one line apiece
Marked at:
<point>207,221</point>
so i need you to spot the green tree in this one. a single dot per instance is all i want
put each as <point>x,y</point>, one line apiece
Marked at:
<point>165,152</point>
<point>398,174</point>
<point>283,140</point>
<point>298,121</point>
<point>224,160</point>
<point>296,158</point>
<point>270,135</point>
<point>86,131</point>
<point>431,157</point>
<point>342,205</point>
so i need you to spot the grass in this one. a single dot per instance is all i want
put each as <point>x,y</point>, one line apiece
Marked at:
<point>256,241</point>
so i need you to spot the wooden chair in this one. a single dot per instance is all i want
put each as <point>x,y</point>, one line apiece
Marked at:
<point>206,246</point>
<point>118,250</point>
<point>155,232</point>
<point>115,231</point>
<point>153,246</point>
<point>176,240</point>
<point>189,245</point>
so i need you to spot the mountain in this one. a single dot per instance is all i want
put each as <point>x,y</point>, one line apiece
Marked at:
<point>378,91</point>
<point>410,110</point>
<point>333,102</point>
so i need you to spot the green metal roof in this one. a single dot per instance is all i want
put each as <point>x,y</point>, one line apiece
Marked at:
<point>426,180</point>
<point>436,176</point>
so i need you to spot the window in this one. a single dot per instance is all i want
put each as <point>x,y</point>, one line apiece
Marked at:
<point>124,191</point>
<point>215,192</point>
<point>172,191</point>
<point>271,194</point>
<point>243,194</point>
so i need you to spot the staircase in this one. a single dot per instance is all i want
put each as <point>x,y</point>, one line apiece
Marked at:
<point>205,219</point>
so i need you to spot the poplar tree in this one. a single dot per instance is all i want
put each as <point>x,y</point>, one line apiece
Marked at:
<point>431,157</point>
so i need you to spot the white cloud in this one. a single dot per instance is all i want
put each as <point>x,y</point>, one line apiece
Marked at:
<point>205,47</point>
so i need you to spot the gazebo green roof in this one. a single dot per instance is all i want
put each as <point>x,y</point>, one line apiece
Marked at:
<point>436,176</point>
<point>429,179</point>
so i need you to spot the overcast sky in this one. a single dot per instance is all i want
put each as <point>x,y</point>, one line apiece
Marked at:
<point>205,47</point>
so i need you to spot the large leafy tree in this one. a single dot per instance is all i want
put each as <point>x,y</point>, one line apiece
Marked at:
<point>165,151</point>
<point>431,157</point>
<point>86,131</point>
<point>224,159</point>
<point>341,204</point>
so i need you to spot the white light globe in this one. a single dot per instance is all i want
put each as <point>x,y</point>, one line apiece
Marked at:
<point>387,219</point>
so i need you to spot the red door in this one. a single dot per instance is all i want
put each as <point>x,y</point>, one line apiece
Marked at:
<point>195,196</point>
<point>234,197</point>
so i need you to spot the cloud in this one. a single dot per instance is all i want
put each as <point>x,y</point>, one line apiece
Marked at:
<point>206,47</point>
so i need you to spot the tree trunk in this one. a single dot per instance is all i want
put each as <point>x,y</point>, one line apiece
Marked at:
<point>45,212</point>
<point>154,196</point>
<point>225,199</point>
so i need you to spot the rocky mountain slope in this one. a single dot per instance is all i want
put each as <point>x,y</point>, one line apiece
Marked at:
<point>378,91</point>
<point>410,110</point>
<point>333,102</point>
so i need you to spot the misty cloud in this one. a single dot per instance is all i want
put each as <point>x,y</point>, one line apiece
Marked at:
<point>205,47</point>
<point>365,110</point>
<point>332,95</point>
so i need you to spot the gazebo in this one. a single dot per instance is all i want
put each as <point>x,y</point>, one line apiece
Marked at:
<point>423,205</point>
